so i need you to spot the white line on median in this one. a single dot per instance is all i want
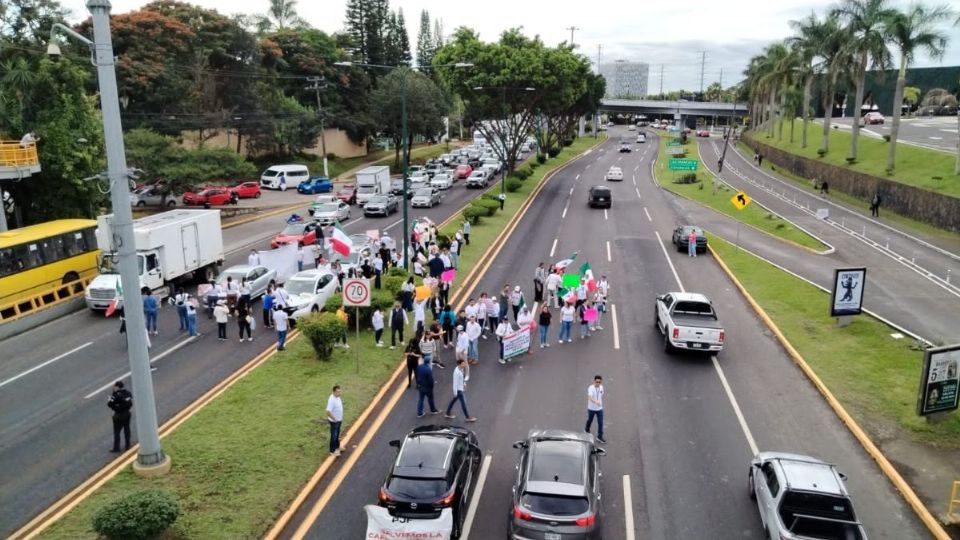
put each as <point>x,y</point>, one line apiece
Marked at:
<point>608,252</point>
<point>628,507</point>
<point>564,212</point>
<point>647,213</point>
<point>554,248</point>
<point>472,510</point>
<point>736,406</point>
<point>634,179</point>
<point>616,327</point>
<point>152,360</point>
<point>571,191</point>
<point>47,363</point>
<point>670,262</point>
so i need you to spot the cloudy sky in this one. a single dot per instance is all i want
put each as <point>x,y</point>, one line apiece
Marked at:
<point>659,33</point>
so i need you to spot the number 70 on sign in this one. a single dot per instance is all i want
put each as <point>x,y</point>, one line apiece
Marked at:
<point>356,292</point>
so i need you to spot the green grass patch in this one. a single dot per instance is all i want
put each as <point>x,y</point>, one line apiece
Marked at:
<point>873,375</point>
<point>915,166</point>
<point>717,196</point>
<point>239,461</point>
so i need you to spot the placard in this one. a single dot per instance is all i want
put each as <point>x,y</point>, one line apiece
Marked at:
<point>516,343</point>
<point>940,380</point>
<point>847,297</point>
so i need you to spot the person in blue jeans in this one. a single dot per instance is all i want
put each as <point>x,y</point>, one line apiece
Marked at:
<point>280,322</point>
<point>334,414</point>
<point>191,310</point>
<point>180,300</point>
<point>268,308</point>
<point>150,308</point>
<point>567,313</point>
<point>459,385</point>
<point>543,323</point>
<point>595,406</point>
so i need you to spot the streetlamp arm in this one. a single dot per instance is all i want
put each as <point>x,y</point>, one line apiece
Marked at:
<point>70,32</point>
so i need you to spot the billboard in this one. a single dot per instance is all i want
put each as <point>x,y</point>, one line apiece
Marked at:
<point>939,380</point>
<point>847,297</point>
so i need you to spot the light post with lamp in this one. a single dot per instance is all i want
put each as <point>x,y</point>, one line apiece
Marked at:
<point>403,136</point>
<point>151,461</point>
<point>506,120</point>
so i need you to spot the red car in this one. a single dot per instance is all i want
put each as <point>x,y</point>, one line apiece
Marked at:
<point>211,196</point>
<point>703,133</point>
<point>348,194</point>
<point>303,233</point>
<point>247,190</point>
<point>872,117</point>
<point>463,171</point>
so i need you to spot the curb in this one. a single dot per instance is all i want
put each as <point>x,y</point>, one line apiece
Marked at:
<point>926,517</point>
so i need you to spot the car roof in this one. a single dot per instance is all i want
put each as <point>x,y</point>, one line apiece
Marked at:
<point>805,473</point>
<point>427,451</point>
<point>689,297</point>
<point>239,268</point>
<point>557,457</point>
<point>288,167</point>
<point>600,188</point>
<point>310,275</point>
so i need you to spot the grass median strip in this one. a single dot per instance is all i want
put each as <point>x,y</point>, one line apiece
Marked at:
<point>703,192</point>
<point>874,375</point>
<point>240,460</point>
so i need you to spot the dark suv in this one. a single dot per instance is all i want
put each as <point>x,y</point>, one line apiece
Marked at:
<point>556,494</point>
<point>436,468</point>
<point>600,197</point>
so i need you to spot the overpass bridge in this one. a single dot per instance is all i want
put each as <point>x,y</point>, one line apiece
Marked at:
<point>671,109</point>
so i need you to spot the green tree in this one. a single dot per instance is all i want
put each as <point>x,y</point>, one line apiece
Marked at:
<point>911,96</point>
<point>280,15</point>
<point>25,22</point>
<point>812,34</point>
<point>426,106</point>
<point>425,41</point>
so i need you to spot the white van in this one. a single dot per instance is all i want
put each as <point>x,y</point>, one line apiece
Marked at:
<point>284,177</point>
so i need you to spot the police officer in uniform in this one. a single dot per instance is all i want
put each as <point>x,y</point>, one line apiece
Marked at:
<point>121,401</point>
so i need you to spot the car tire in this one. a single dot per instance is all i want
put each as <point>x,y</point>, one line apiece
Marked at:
<point>141,204</point>
<point>256,195</point>
<point>751,490</point>
<point>314,309</point>
<point>171,203</point>
<point>667,346</point>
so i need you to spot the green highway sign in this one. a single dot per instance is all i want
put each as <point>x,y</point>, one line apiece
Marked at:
<point>678,151</point>
<point>683,164</point>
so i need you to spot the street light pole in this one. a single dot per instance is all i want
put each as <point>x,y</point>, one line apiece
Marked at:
<point>323,134</point>
<point>405,165</point>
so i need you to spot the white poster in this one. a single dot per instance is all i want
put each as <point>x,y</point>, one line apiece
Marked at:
<point>516,343</point>
<point>283,260</point>
<point>382,526</point>
<point>848,287</point>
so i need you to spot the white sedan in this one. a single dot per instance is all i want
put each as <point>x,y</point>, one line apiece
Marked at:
<point>257,278</point>
<point>308,291</point>
<point>331,212</point>
<point>441,181</point>
<point>615,173</point>
<point>425,198</point>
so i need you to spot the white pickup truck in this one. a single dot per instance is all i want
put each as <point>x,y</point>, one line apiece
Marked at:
<point>688,321</point>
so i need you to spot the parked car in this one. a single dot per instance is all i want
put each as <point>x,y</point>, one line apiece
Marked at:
<point>441,181</point>
<point>150,196</point>
<point>688,321</point>
<point>308,291</point>
<point>477,179</point>
<point>302,233</point>
<point>381,205</point>
<point>681,238</point>
<point>801,497</point>
<point>425,198</point>
<point>703,133</point>
<point>872,117</point>
<point>631,127</point>
<point>247,190</point>
<point>212,197</point>
<point>600,197</point>
<point>556,490</point>
<point>331,213</point>
<point>348,194</point>
<point>436,468</point>
<point>316,184</point>
<point>614,174</point>
<point>257,277</point>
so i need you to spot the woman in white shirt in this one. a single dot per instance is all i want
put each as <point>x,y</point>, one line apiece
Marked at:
<point>567,314</point>
<point>377,321</point>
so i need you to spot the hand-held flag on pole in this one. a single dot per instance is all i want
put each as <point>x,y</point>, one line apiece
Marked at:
<point>565,262</point>
<point>340,241</point>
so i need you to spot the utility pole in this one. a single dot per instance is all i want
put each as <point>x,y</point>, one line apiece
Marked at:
<point>571,29</point>
<point>703,64</point>
<point>661,80</point>
<point>596,115</point>
<point>316,86</point>
<point>721,84</point>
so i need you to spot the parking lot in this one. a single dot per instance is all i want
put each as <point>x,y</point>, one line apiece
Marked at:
<point>937,132</point>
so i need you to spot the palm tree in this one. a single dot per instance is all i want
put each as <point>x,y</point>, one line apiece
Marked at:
<point>837,61</point>
<point>911,31</point>
<point>280,15</point>
<point>771,78</point>
<point>866,20</point>
<point>753,88</point>
<point>789,71</point>
<point>812,34</point>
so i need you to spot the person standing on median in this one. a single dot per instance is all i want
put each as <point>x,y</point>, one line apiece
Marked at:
<point>459,389</point>
<point>377,320</point>
<point>398,319</point>
<point>334,414</point>
<point>595,406</point>
<point>466,231</point>
<point>120,402</point>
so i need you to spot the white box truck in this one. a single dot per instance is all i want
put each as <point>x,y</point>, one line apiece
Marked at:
<point>172,247</point>
<point>372,181</point>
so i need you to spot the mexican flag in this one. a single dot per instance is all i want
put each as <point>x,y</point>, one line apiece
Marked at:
<point>565,262</point>
<point>115,303</point>
<point>584,269</point>
<point>340,241</point>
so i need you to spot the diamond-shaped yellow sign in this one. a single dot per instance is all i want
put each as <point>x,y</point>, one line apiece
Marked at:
<point>740,200</point>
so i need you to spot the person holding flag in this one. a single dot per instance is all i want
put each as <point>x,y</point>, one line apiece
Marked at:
<point>552,284</point>
<point>563,264</point>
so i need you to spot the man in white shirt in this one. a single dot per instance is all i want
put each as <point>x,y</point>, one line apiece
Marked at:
<point>280,323</point>
<point>419,314</point>
<point>473,337</point>
<point>463,344</point>
<point>471,309</point>
<point>281,298</point>
<point>334,414</point>
<point>604,286</point>
<point>553,283</point>
<point>301,258</point>
<point>253,259</point>
<point>595,406</point>
<point>459,387</point>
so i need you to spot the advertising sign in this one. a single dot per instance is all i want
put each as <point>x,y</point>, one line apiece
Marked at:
<point>516,343</point>
<point>382,526</point>
<point>940,379</point>
<point>847,297</point>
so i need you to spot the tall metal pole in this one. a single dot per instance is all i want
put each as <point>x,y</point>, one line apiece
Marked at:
<point>3,211</point>
<point>406,165</point>
<point>503,141</point>
<point>703,65</point>
<point>150,456</point>
<point>323,134</point>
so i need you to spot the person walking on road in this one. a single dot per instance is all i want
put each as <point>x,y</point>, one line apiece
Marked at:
<point>180,300</point>
<point>875,205</point>
<point>398,320</point>
<point>492,311</point>
<point>459,387</point>
<point>301,258</point>
<point>120,402</point>
<point>599,302</point>
<point>267,303</point>
<point>504,302</point>
<point>221,313</point>
<point>463,344</point>
<point>280,321</point>
<point>420,314</point>
<point>334,415</point>
<point>150,308</point>
<point>412,356</point>
<point>553,284</point>
<point>567,313</point>
<point>584,323</point>
<point>254,258</point>
<point>473,332</point>
<point>503,329</point>
<point>447,318</point>
<point>544,325</point>
<point>692,243</point>
<point>243,322</point>
<point>190,305</point>
<point>595,406</point>
<point>516,301</point>
<point>539,279</point>
<point>377,320</point>
<point>425,388</point>
<point>435,333</point>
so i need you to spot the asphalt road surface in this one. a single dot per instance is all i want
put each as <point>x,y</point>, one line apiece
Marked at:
<point>936,132</point>
<point>682,428</point>
<point>55,427</point>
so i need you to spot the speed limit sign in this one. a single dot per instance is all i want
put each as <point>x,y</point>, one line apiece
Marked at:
<point>356,292</point>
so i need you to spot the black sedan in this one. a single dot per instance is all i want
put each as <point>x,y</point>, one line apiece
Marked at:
<point>681,238</point>
<point>436,468</point>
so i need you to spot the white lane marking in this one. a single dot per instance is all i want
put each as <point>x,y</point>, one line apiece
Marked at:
<point>605,217</point>
<point>577,178</point>
<point>620,158</point>
<point>152,360</point>
<point>637,167</point>
<point>564,212</point>
<point>616,327</point>
<point>670,262</point>
<point>935,138</point>
<point>47,363</point>
<point>347,224</point>
<point>394,224</point>
<point>587,167</point>
<point>634,179</point>
<point>472,511</point>
<point>641,160</point>
<point>736,406</point>
<point>554,248</point>
<point>628,507</point>
<point>647,213</point>
<point>608,252</point>
<point>638,193</point>
<point>571,191</point>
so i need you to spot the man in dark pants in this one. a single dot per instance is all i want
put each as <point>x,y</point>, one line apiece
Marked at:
<point>425,388</point>
<point>121,401</point>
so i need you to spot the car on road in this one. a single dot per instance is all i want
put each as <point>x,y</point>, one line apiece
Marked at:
<point>688,321</point>
<point>872,117</point>
<point>614,174</point>
<point>316,184</point>
<point>703,133</point>
<point>246,190</point>
<point>801,497</point>
<point>308,291</point>
<point>331,212</point>
<point>681,238</point>
<point>556,490</point>
<point>211,196</point>
<point>433,168</point>
<point>257,277</point>
<point>302,233</point>
<point>418,183</point>
<point>463,170</point>
<point>641,138</point>
<point>441,181</point>
<point>625,148</point>
<point>418,176</point>
<point>600,197</point>
<point>396,187</point>
<point>477,179</point>
<point>631,127</point>
<point>151,196</point>
<point>348,194</point>
<point>425,198</point>
<point>436,468</point>
<point>381,205</point>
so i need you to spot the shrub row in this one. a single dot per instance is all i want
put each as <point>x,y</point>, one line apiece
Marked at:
<point>140,515</point>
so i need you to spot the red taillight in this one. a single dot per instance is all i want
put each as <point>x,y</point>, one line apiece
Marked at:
<point>384,496</point>
<point>587,521</point>
<point>676,333</point>
<point>721,336</point>
<point>446,501</point>
<point>520,514</point>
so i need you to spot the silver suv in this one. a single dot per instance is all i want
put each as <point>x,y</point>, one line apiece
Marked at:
<point>802,498</point>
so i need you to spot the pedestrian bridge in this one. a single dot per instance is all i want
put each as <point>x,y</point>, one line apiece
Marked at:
<point>670,108</point>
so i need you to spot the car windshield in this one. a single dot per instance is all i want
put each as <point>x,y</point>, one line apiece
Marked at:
<point>327,207</point>
<point>425,192</point>
<point>294,229</point>
<point>377,200</point>
<point>301,286</point>
<point>269,173</point>
<point>417,488</point>
<point>554,505</point>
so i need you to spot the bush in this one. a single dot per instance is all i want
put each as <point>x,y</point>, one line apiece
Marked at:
<point>533,165</point>
<point>687,178</point>
<point>554,152</point>
<point>541,159</point>
<point>444,240</point>
<point>323,329</point>
<point>398,271</point>
<point>473,214</point>
<point>490,205</point>
<point>382,298</point>
<point>143,514</point>
<point>489,197</point>
<point>513,184</point>
<point>567,142</point>
<point>391,284</point>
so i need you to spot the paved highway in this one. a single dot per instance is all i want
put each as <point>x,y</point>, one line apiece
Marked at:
<point>54,380</point>
<point>682,428</point>
<point>935,132</point>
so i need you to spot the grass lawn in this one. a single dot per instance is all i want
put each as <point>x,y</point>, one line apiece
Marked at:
<point>915,166</point>
<point>872,374</point>
<point>239,461</point>
<point>702,192</point>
